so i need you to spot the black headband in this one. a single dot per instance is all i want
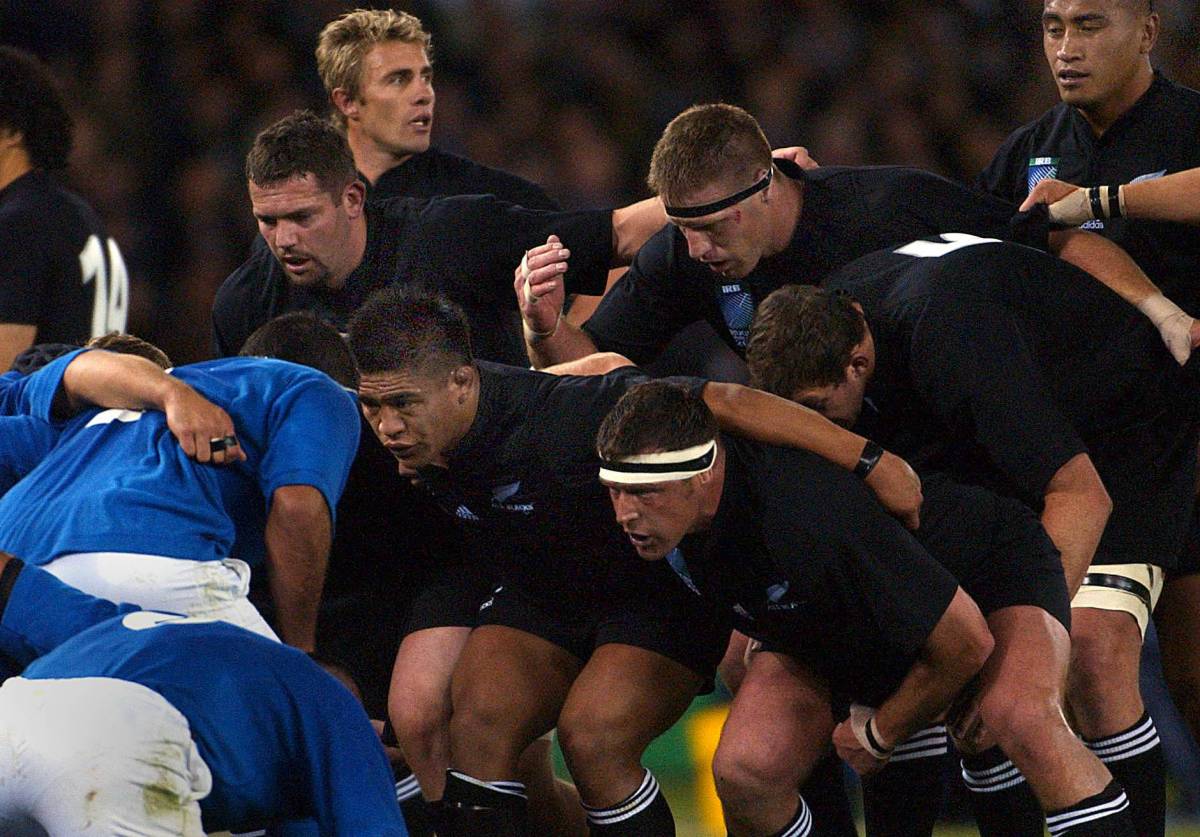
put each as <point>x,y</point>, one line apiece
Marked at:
<point>717,206</point>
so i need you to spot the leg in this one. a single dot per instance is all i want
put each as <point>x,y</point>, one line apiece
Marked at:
<point>905,797</point>
<point>624,698</point>
<point>419,702</point>
<point>732,667</point>
<point>507,690</point>
<point>554,806</point>
<point>1178,620</point>
<point>779,727</point>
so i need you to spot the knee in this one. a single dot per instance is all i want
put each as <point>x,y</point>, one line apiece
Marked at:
<point>1022,717</point>
<point>1104,655</point>
<point>745,777</point>
<point>418,719</point>
<point>588,739</point>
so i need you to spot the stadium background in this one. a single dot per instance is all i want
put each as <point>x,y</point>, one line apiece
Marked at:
<point>167,95</point>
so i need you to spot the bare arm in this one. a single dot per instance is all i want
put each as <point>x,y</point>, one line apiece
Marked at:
<point>298,537</point>
<point>632,227</point>
<point>1174,198</point>
<point>108,379</point>
<point>550,338</point>
<point>1074,515</point>
<point>14,339</point>
<point>954,653</point>
<point>601,363</point>
<point>776,421</point>
<point>1114,268</point>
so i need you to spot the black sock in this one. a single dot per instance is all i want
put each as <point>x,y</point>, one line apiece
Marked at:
<point>1107,814</point>
<point>801,824</point>
<point>1135,759</point>
<point>474,808</point>
<point>417,814</point>
<point>905,798</point>
<point>644,814</point>
<point>824,792</point>
<point>1001,799</point>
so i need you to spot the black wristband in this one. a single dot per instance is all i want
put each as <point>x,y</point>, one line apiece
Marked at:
<point>1114,201</point>
<point>1093,194</point>
<point>872,452</point>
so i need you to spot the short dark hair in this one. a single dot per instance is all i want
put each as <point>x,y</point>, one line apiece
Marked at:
<point>410,328</point>
<point>32,105</point>
<point>301,338</point>
<point>707,144</point>
<point>655,416</point>
<point>301,144</point>
<point>127,344</point>
<point>801,338</point>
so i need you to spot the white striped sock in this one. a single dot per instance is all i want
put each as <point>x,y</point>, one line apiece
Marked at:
<point>1125,745</point>
<point>1060,823</point>
<point>992,780</point>
<point>638,801</point>
<point>407,788</point>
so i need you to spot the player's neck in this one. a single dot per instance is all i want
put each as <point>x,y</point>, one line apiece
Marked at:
<point>371,160</point>
<point>710,493</point>
<point>357,251</point>
<point>789,202</point>
<point>14,163</point>
<point>1104,114</point>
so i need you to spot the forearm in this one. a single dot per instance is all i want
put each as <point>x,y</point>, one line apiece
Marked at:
<point>568,342</point>
<point>1175,197</point>
<point>776,421</point>
<point>298,537</point>
<point>107,379</point>
<point>1075,512</point>
<point>1105,261</point>
<point>632,227</point>
<point>956,650</point>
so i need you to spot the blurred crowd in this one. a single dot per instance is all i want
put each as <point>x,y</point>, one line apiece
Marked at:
<point>569,93</point>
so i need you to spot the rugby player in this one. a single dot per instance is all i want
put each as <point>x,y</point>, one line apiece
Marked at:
<point>850,607</point>
<point>1126,127</point>
<point>52,245</point>
<point>126,721</point>
<point>1007,368</point>
<point>742,225</point>
<point>569,635</point>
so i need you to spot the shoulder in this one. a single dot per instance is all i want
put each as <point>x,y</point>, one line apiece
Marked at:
<point>258,272</point>
<point>37,202</point>
<point>464,176</point>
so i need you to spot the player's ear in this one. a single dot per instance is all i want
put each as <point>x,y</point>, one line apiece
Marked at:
<point>346,104</point>
<point>353,197</point>
<point>1149,32</point>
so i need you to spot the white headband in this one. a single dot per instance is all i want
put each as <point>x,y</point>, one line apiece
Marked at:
<point>664,466</point>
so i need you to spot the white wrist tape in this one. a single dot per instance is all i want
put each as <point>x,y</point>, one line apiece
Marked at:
<point>1158,308</point>
<point>1072,210</point>
<point>862,723</point>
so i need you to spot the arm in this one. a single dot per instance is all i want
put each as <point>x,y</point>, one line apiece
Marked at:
<point>14,339</point>
<point>298,537</point>
<point>601,363</point>
<point>632,227</point>
<point>954,653</point>
<point>1113,267</point>
<point>107,379</point>
<point>1074,515</point>
<point>1174,198</point>
<point>550,338</point>
<point>776,421</point>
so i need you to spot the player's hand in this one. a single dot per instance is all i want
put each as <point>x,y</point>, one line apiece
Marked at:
<point>798,154</point>
<point>538,283</point>
<point>898,489</point>
<point>204,430</point>
<point>1068,205</point>
<point>851,750</point>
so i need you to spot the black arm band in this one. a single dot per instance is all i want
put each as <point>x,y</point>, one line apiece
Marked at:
<point>1114,202</point>
<point>1093,194</point>
<point>872,452</point>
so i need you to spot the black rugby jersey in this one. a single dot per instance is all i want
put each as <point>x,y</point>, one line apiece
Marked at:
<point>436,173</point>
<point>465,247</point>
<point>60,270</point>
<point>808,562</point>
<point>998,363</point>
<point>847,212</point>
<point>1157,136</point>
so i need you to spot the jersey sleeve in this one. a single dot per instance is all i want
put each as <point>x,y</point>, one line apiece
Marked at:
<point>24,442</point>
<point>901,589</point>
<point>40,612</point>
<point>977,372</point>
<point>1004,174</point>
<point>492,233</point>
<point>312,437</point>
<point>34,395</point>
<point>349,779</point>
<point>24,271</point>
<point>647,306</point>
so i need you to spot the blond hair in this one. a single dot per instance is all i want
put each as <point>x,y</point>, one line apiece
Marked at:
<point>344,42</point>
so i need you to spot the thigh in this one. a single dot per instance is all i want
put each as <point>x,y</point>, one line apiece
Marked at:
<point>631,693</point>
<point>424,664</point>
<point>780,718</point>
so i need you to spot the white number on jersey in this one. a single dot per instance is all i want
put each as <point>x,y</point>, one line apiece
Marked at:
<point>111,302</point>
<point>935,250</point>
